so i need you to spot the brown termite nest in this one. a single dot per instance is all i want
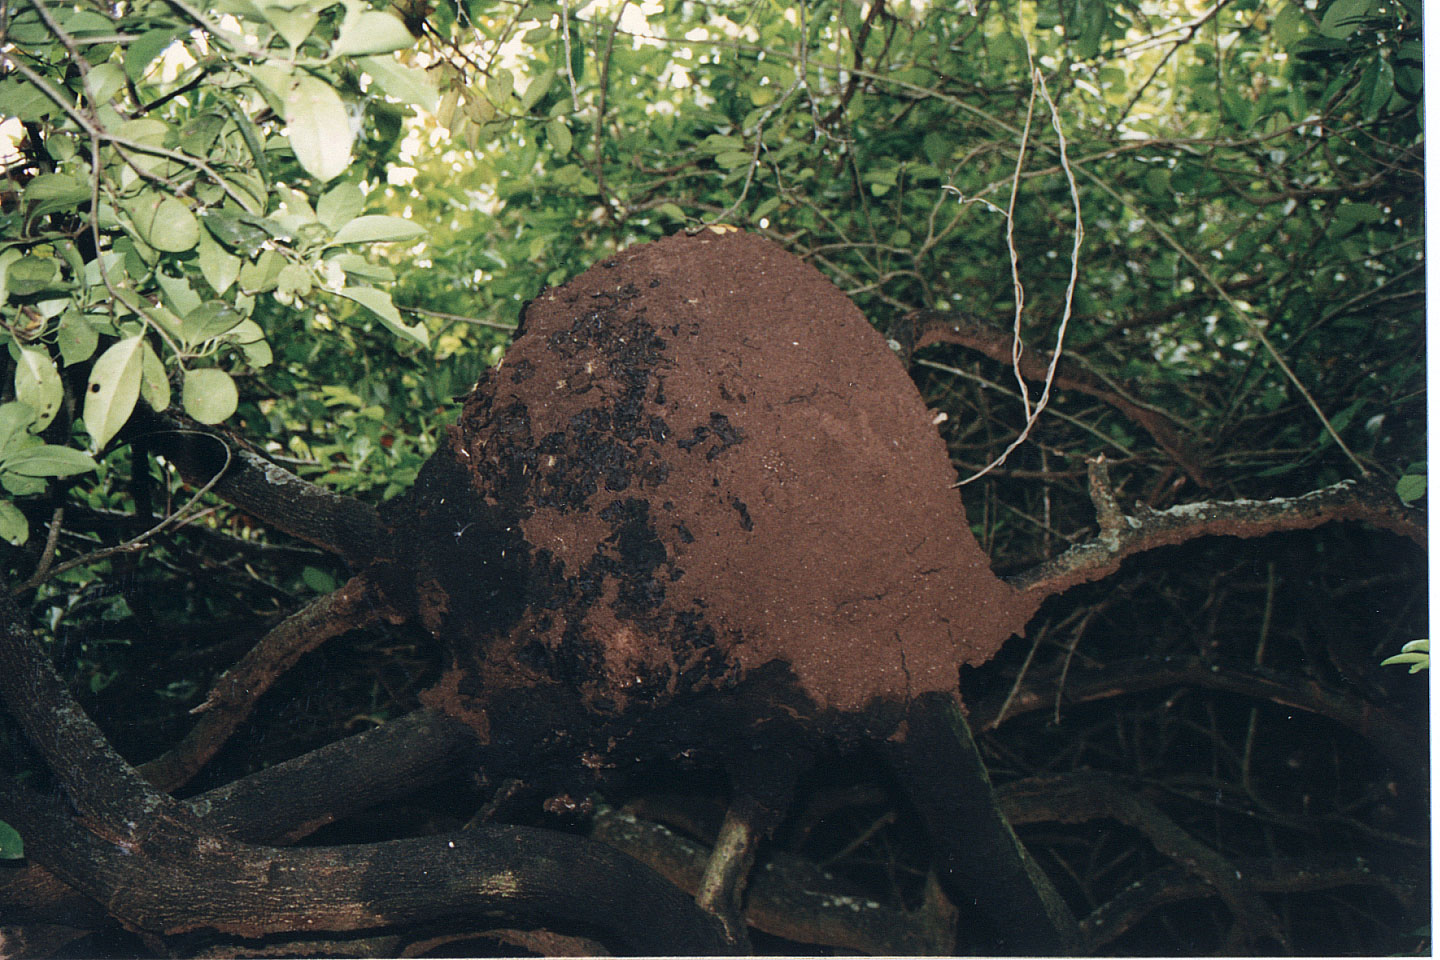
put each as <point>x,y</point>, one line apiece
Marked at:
<point>697,467</point>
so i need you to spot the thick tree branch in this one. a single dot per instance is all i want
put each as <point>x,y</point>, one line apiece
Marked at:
<point>233,697</point>
<point>341,525</point>
<point>976,850</point>
<point>158,868</point>
<point>1121,535</point>
<point>927,327</point>
<point>788,897</point>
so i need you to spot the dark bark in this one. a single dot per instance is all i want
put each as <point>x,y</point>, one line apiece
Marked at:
<point>1400,742</point>
<point>1121,535</point>
<point>341,525</point>
<point>354,605</point>
<point>977,855</point>
<point>158,868</point>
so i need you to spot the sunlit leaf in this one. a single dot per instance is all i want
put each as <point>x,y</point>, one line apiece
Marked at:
<point>113,389</point>
<point>318,128</point>
<point>37,383</point>
<point>209,395</point>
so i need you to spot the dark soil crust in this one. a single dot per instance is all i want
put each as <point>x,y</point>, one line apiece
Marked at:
<point>696,460</point>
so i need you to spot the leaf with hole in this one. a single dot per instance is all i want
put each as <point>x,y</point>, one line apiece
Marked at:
<point>15,529</point>
<point>37,383</point>
<point>113,389</point>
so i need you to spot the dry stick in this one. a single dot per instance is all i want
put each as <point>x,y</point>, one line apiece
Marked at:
<point>569,70</point>
<point>1077,798</point>
<point>460,318</point>
<point>1037,81</point>
<point>233,697</point>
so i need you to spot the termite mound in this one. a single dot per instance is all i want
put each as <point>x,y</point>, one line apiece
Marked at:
<point>699,482</point>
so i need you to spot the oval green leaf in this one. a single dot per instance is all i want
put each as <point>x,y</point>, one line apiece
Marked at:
<point>373,31</point>
<point>341,204</point>
<point>378,302</point>
<point>15,529</point>
<point>37,383</point>
<point>209,395</point>
<point>174,229</point>
<point>318,128</point>
<point>113,389</point>
<point>49,460</point>
<point>154,384</point>
<point>11,846</point>
<point>376,228</point>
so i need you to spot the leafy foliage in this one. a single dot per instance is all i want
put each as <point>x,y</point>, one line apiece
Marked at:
<point>316,223</point>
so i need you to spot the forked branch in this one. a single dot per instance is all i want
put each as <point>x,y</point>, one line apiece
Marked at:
<point>1124,535</point>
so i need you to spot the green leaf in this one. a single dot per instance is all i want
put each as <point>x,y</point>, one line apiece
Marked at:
<point>49,460</point>
<point>373,31</point>
<point>154,384</point>
<point>340,204</point>
<point>378,302</point>
<point>403,83</point>
<point>173,228</point>
<point>1343,18</point>
<point>260,276</point>
<point>37,383</point>
<point>293,21</point>
<point>50,192</point>
<point>318,580</point>
<point>15,420</point>
<point>179,295</point>
<point>557,131</point>
<point>236,231</point>
<point>15,529</point>
<point>30,275</point>
<point>218,266</point>
<point>209,395</point>
<point>143,50</point>
<point>1410,487</point>
<point>113,389</point>
<point>207,321</point>
<point>12,847</point>
<point>376,228</point>
<point>77,339</point>
<point>104,81</point>
<point>537,89</point>
<point>318,128</point>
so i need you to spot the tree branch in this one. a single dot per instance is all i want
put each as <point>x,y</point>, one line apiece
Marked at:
<point>341,525</point>
<point>926,328</point>
<point>1079,797</point>
<point>158,868</point>
<point>1368,501</point>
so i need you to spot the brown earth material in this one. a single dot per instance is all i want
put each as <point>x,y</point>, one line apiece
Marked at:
<point>697,459</point>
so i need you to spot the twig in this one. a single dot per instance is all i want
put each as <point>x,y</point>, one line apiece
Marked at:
<point>476,321</point>
<point>129,546</point>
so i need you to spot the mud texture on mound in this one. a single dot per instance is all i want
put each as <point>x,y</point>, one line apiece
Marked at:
<point>698,459</point>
